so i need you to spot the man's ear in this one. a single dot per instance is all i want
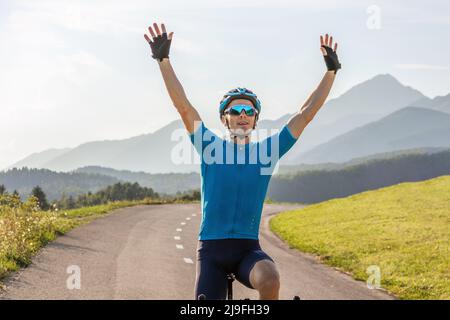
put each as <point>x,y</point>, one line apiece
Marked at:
<point>256,121</point>
<point>224,120</point>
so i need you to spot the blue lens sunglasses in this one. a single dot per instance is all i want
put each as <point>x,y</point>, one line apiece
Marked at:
<point>237,109</point>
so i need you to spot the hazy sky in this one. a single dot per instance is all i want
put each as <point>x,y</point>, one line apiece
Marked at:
<point>73,71</point>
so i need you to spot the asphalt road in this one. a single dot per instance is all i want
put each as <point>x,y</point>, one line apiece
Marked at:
<point>148,252</point>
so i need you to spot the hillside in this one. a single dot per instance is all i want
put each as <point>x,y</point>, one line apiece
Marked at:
<point>410,127</point>
<point>293,169</point>
<point>440,103</point>
<point>92,179</point>
<point>169,183</point>
<point>152,152</point>
<point>403,230</point>
<point>366,102</point>
<point>38,159</point>
<point>315,185</point>
<point>54,184</point>
<point>303,183</point>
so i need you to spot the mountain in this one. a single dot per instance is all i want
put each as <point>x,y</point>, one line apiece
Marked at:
<point>168,183</point>
<point>157,153</point>
<point>328,166</point>
<point>375,97</point>
<point>439,103</point>
<point>38,159</point>
<point>150,153</point>
<point>274,124</point>
<point>410,127</point>
<point>364,103</point>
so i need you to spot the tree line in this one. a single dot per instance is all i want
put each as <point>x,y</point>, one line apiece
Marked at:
<point>54,183</point>
<point>116,192</point>
<point>319,185</point>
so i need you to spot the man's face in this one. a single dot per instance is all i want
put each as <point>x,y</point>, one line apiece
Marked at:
<point>241,122</point>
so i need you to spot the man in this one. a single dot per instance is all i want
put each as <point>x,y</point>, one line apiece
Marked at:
<point>234,186</point>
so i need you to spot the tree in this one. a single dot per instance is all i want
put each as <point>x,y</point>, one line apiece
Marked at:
<point>42,198</point>
<point>2,189</point>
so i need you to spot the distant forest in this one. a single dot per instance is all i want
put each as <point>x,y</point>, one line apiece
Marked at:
<point>54,184</point>
<point>117,192</point>
<point>300,183</point>
<point>319,185</point>
<point>92,179</point>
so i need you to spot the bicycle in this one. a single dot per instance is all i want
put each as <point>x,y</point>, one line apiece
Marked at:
<point>230,278</point>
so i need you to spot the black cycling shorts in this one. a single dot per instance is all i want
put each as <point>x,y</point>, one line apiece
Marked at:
<point>217,258</point>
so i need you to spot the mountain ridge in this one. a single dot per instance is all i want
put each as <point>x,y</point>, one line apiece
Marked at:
<point>151,152</point>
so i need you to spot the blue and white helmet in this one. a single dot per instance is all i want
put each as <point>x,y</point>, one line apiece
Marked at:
<point>239,93</point>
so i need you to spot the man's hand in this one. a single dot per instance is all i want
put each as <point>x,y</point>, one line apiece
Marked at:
<point>160,43</point>
<point>329,54</point>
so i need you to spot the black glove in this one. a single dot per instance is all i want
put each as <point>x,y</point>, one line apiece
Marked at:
<point>160,47</point>
<point>331,60</point>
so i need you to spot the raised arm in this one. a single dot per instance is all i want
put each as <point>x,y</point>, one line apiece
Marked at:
<point>317,98</point>
<point>160,45</point>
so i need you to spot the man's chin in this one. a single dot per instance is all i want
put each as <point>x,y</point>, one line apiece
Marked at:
<point>241,132</point>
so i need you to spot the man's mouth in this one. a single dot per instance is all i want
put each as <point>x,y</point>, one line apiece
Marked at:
<point>242,123</point>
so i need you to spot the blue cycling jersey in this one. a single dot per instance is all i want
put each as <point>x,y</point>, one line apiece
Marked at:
<point>234,181</point>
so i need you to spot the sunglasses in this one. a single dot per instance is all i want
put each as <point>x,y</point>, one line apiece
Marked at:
<point>237,109</point>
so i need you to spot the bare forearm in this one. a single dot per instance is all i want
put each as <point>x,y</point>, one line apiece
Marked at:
<point>160,46</point>
<point>312,105</point>
<point>173,85</point>
<point>188,113</point>
<point>318,97</point>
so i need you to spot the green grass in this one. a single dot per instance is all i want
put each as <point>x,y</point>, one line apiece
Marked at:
<point>271,201</point>
<point>404,229</point>
<point>23,231</point>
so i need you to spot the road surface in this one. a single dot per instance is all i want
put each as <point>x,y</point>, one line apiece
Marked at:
<point>148,252</point>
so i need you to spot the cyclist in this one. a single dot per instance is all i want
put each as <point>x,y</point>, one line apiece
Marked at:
<point>233,187</point>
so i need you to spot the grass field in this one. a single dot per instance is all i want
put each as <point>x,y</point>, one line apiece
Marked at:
<point>23,232</point>
<point>403,229</point>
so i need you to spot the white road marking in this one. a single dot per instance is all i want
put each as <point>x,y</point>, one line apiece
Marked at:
<point>177,238</point>
<point>188,260</point>
<point>188,218</point>
<point>179,229</point>
<point>183,223</point>
<point>180,246</point>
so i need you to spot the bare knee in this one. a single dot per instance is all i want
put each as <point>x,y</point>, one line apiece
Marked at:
<point>264,277</point>
<point>270,283</point>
